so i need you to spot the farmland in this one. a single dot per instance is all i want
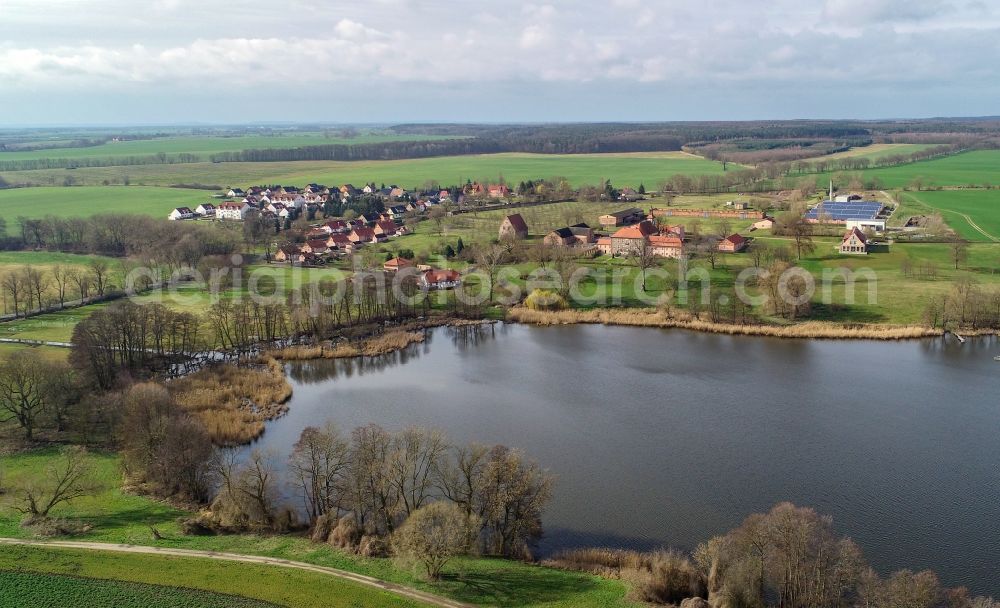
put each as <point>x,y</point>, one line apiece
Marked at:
<point>622,169</point>
<point>86,201</point>
<point>967,169</point>
<point>20,588</point>
<point>267,585</point>
<point>204,146</point>
<point>877,151</point>
<point>974,214</point>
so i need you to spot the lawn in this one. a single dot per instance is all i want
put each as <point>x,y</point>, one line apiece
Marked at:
<point>120,518</point>
<point>10,260</point>
<point>49,327</point>
<point>622,169</point>
<point>90,200</point>
<point>26,587</point>
<point>963,210</point>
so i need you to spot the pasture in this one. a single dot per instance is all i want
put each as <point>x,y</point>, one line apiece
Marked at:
<point>876,151</point>
<point>967,169</point>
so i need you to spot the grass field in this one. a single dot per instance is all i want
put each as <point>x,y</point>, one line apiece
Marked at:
<point>204,146</point>
<point>16,259</point>
<point>268,585</point>
<point>876,151</point>
<point>974,214</point>
<point>27,588</point>
<point>622,169</point>
<point>49,327</point>
<point>90,200</point>
<point>967,169</point>
<point>120,518</point>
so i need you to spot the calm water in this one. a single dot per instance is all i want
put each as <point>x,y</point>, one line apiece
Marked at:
<point>670,437</point>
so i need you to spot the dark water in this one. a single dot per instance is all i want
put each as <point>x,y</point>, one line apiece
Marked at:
<point>670,437</point>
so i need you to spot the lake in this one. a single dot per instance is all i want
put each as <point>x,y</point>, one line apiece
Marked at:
<point>668,437</point>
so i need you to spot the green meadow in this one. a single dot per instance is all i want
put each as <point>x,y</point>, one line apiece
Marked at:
<point>967,169</point>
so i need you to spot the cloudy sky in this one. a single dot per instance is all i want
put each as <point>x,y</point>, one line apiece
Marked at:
<point>183,61</point>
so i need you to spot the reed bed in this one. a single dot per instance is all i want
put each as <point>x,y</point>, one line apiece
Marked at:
<point>648,317</point>
<point>370,347</point>
<point>234,401</point>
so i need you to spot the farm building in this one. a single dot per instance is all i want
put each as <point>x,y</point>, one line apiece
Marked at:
<point>440,279</point>
<point>396,264</point>
<point>513,227</point>
<point>622,218</point>
<point>733,243</point>
<point>577,234</point>
<point>841,212</point>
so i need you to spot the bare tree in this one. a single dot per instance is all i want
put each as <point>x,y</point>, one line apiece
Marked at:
<point>62,277</point>
<point>99,275</point>
<point>958,251</point>
<point>66,479</point>
<point>13,286</point>
<point>27,388</point>
<point>415,456</point>
<point>490,259</point>
<point>318,465</point>
<point>644,257</point>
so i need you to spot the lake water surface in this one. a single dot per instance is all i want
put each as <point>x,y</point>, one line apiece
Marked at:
<point>670,437</point>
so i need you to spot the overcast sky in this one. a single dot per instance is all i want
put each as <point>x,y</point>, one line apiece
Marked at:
<point>183,61</point>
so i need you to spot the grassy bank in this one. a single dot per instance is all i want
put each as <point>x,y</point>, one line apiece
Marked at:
<point>117,517</point>
<point>649,317</point>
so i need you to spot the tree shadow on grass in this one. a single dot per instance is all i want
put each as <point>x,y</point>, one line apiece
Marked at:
<point>523,586</point>
<point>136,517</point>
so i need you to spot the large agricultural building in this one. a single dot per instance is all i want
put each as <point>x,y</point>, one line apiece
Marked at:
<point>857,213</point>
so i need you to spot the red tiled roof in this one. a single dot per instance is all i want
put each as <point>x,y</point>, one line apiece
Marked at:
<point>861,235</point>
<point>441,275</point>
<point>638,231</point>
<point>517,222</point>
<point>735,239</point>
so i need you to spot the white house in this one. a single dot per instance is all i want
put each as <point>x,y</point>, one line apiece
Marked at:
<point>181,213</point>
<point>862,225</point>
<point>232,211</point>
<point>205,210</point>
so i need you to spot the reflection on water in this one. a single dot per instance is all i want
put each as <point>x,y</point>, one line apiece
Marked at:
<point>670,437</point>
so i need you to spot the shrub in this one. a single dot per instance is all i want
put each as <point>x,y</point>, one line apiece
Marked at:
<point>544,299</point>
<point>435,534</point>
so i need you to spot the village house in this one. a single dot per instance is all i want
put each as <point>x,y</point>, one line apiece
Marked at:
<point>396,264</point>
<point>854,242</point>
<point>666,245</point>
<point>733,243</point>
<point>339,242</point>
<point>315,247</point>
<point>628,195</point>
<point>570,236</point>
<point>232,211</point>
<point>622,218</point>
<point>440,279</point>
<point>235,193</point>
<point>205,210</point>
<point>362,235</point>
<point>385,228</point>
<point>763,224</point>
<point>474,189</point>
<point>604,245</point>
<point>286,253</point>
<point>513,227</point>
<point>499,191</point>
<point>181,213</point>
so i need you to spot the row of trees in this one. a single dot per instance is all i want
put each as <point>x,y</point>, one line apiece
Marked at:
<point>121,235</point>
<point>31,288</point>
<point>366,484</point>
<point>966,305</point>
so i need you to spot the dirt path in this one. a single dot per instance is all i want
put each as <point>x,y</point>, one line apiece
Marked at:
<point>360,579</point>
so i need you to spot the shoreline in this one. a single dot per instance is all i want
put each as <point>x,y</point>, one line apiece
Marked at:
<point>649,317</point>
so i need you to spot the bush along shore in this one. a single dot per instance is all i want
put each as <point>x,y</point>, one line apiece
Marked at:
<point>651,317</point>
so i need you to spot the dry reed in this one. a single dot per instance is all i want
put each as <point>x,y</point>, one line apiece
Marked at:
<point>233,402</point>
<point>371,347</point>
<point>649,317</point>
